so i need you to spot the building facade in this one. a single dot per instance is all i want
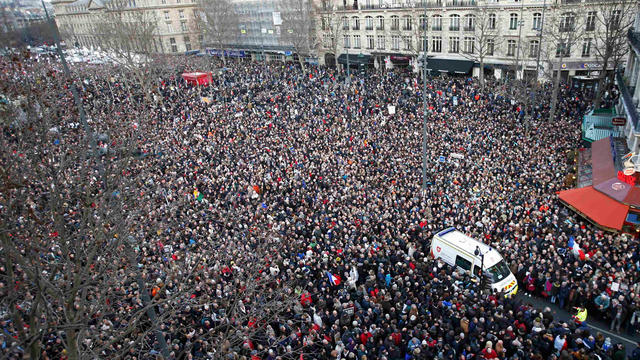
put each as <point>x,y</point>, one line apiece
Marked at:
<point>175,32</point>
<point>508,36</point>
<point>628,83</point>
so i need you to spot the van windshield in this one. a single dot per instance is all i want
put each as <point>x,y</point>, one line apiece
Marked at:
<point>499,271</point>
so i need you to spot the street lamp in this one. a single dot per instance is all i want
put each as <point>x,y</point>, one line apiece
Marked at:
<point>424,105</point>
<point>478,252</point>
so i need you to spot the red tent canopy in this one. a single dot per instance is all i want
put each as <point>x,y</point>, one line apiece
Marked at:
<point>198,78</point>
<point>598,207</point>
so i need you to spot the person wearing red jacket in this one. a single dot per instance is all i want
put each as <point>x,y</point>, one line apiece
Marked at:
<point>488,352</point>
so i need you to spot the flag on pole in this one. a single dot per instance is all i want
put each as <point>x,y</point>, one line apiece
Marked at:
<point>334,279</point>
<point>197,194</point>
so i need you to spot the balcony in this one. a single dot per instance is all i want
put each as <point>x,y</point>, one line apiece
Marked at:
<point>461,3</point>
<point>627,98</point>
<point>369,27</point>
<point>634,39</point>
<point>436,28</point>
<point>469,28</point>
<point>454,28</point>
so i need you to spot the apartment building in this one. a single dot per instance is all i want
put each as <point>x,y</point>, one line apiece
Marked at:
<point>175,33</point>
<point>628,82</point>
<point>515,42</point>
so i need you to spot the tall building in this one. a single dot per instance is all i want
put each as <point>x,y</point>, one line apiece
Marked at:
<point>629,85</point>
<point>513,37</point>
<point>175,33</point>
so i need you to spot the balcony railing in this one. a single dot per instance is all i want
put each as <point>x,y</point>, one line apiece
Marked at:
<point>368,27</point>
<point>454,28</point>
<point>469,28</point>
<point>436,28</point>
<point>455,3</point>
<point>627,98</point>
<point>634,38</point>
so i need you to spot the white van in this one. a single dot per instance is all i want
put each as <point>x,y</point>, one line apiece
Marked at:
<point>457,249</point>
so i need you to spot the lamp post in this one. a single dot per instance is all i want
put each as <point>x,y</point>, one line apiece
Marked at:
<point>424,104</point>
<point>478,252</point>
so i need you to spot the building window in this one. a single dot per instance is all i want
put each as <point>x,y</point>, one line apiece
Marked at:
<point>406,40</point>
<point>469,22</point>
<point>395,42</point>
<point>395,23</point>
<point>513,21</point>
<point>493,22</point>
<point>181,13</point>
<point>436,44</point>
<point>406,23</point>
<point>368,23</point>
<point>174,46</point>
<point>511,48</point>
<point>469,45</point>
<point>614,21</point>
<point>370,42</point>
<point>166,15</point>
<point>454,23</point>
<point>381,42</point>
<point>169,27</point>
<point>356,41</point>
<point>436,24</point>
<point>379,22</point>
<point>534,48</point>
<point>586,47</point>
<point>563,50</point>
<point>355,23</point>
<point>591,21</point>
<point>454,44</point>
<point>345,23</point>
<point>491,47</point>
<point>183,26</point>
<point>187,43</point>
<point>424,43</point>
<point>567,22</point>
<point>347,41</point>
<point>423,22</point>
<point>537,21</point>
<point>326,40</point>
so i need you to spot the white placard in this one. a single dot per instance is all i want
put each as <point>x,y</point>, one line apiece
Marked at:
<point>392,109</point>
<point>277,19</point>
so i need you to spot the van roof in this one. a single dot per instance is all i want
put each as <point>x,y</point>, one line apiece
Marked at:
<point>468,244</point>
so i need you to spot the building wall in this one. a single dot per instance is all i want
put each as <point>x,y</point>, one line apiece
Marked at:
<point>504,56</point>
<point>176,27</point>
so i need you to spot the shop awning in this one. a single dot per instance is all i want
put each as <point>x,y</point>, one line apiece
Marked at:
<point>596,206</point>
<point>450,65</point>
<point>355,59</point>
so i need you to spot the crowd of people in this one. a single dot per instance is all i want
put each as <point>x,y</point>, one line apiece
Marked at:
<point>299,197</point>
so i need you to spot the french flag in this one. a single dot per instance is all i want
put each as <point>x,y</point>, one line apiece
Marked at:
<point>334,279</point>
<point>575,248</point>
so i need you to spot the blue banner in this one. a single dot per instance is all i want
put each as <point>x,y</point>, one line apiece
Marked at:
<point>227,53</point>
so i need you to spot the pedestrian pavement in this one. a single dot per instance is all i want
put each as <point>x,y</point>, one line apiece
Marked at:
<point>629,341</point>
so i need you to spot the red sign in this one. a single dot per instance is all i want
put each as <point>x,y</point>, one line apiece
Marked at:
<point>619,121</point>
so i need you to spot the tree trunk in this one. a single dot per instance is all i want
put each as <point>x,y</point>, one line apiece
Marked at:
<point>601,82</point>
<point>301,61</point>
<point>554,94</point>
<point>482,73</point>
<point>72,345</point>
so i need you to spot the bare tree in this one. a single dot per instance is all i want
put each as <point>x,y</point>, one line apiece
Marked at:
<point>128,35</point>
<point>563,29</point>
<point>298,25</point>
<point>218,23</point>
<point>487,37</point>
<point>611,22</point>
<point>331,28</point>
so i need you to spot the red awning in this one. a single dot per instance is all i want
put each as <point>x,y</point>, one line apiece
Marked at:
<point>596,206</point>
